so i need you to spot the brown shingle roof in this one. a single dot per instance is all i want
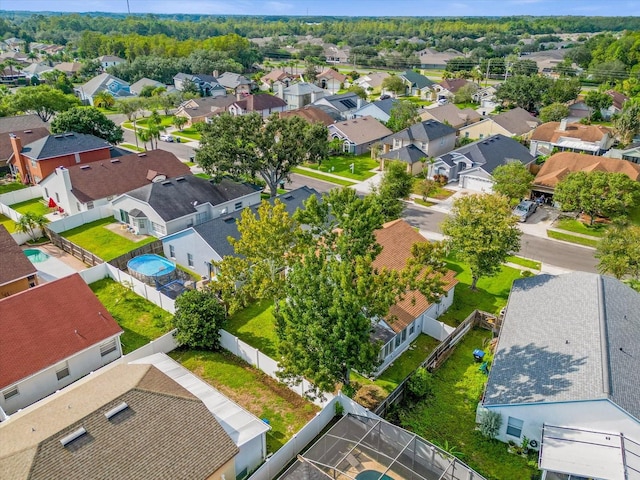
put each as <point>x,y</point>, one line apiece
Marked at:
<point>452,115</point>
<point>26,136</point>
<point>331,73</point>
<point>362,130</point>
<point>257,103</point>
<point>122,174</point>
<point>454,84</point>
<point>14,264</point>
<point>517,121</point>
<point>550,132</point>
<point>561,164</point>
<point>275,75</point>
<point>165,432</point>
<point>309,113</point>
<point>397,238</point>
<point>618,99</point>
<point>20,122</point>
<point>48,323</point>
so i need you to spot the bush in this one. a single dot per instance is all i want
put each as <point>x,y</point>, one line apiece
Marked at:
<point>420,384</point>
<point>198,319</point>
<point>370,396</point>
<point>526,273</point>
<point>490,424</point>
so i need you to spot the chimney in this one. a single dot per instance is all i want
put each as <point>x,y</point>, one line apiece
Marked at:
<point>314,96</point>
<point>19,161</point>
<point>563,125</point>
<point>250,103</point>
<point>215,73</point>
<point>64,195</point>
<point>281,90</point>
<point>359,103</point>
<point>238,96</point>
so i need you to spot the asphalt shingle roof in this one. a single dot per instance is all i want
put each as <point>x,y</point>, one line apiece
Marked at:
<point>20,122</point>
<point>417,80</point>
<point>62,144</point>
<point>494,151</point>
<point>569,337</point>
<point>14,264</point>
<point>517,121</point>
<point>409,154</point>
<point>26,136</point>
<point>100,82</point>
<point>426,131</point>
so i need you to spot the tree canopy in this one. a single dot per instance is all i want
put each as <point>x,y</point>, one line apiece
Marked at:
<point>198,319</point>
<point>619,251</point>
<point>42,100</point>
<point>513,180</point>
<point>395,185</point>
<point>403,114</point>
<point>394,84</point>
<point>554,112</point>
<point>627,125</point>
<point>87,120</point>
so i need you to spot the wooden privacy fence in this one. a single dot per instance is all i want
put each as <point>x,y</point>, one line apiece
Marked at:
<point>438,356</point>
<point>67,246</point>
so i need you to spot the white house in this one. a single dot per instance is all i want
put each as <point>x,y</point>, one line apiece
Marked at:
<point>298,95</point>
<point>52,335</point>
<point>331,80</point>
<point>264,104</point>
<point>107,61</point>
<point>171,205</point>
<point>566,374</point>
<point>79,188</point>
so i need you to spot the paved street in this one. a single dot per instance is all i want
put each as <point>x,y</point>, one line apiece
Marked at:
<point>298,181</point>
<point>180,150</point>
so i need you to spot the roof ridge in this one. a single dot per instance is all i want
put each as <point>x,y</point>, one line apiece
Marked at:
<point>604,338</point>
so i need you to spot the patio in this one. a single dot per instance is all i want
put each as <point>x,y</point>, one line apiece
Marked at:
<point>122,230</point>
<point>59,264</point>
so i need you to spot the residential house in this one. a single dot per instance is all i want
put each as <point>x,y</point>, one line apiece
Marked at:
<point>36,70</point>
<point>434,60</point>
<point>452,115</point>
<point>311,114</point>
<point>107,61</point>
<point>422,140</point>
<point>38,159</point>
<point>548,61</point>
<point>17,273</point>
<point>264,104</point>
<point>180,78</point>
<point>236,83</point>
<point>208,85</point>
<point>512,123</point>
<point>417,84</point>
<point>15,44</point>
<point>414,314</point>
<point>104,82</point>
<point>447,88</point>
<point>574,137</point>
<point>344,104</point>
<point>630,153</point>
<point>617,105</point>
<point>79,188</point>
<point>69,68</point>
<point>473,165</point>
<point>380,110</point>
<point>485,96</point>
<point>331,80</point>
<point>276,77</point>
<point>52,335</point>
<point>300,94</point>
<point>202,109</point>
<point>371,81</point>
<point>137,87</point>
<point>357,135</point>
<point>125,421</point>
<point>12,75</point>
<point>166,207</point>
<point>335,54</point>
<point>561,164</point>
<point>565,374</point>
<point>28,127</point>
<point>199,246</point>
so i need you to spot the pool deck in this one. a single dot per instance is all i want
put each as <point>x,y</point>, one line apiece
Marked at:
<point>59,264</point>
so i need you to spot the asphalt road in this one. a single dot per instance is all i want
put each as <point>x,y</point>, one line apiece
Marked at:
<point>547,251</point>
<point>298,181</point>
<point>180,150</point>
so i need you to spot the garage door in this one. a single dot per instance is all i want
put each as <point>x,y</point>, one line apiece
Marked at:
<point>476,183</point>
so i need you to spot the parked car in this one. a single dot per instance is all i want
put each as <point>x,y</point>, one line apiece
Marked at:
<point>384,97</point>
<point>442,101</point>
<point>525,209</point>
<point>167,138</point>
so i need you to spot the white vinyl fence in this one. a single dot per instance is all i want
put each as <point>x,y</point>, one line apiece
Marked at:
<point>78,219</point>
<point>11,198</point>
<point>165,344</point>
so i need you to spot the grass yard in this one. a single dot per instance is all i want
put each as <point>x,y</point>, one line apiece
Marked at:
<point>286,412</point>
<point>340,165</point>
<point>464,105</point>
<point>101,241</point>
<point>448,416</point>
<point>576,226</point>
<point>324,178</point>
<point>130,146</point>
<point>256,326</point>
<point>188,133</point>
<point>572,238</point>
<point>419,201</point>
<point>440,193</point>
<point>11,187</point>
<point>141,320</point>
<point>524,262</point>
<point>491,294</point>
<point>206,176</point>
<point>9,224</point>
<point>166,121</point>
<point>35,205</point>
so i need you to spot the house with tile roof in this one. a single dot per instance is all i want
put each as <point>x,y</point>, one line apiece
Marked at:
<point>208,242</point>
<point>473,165</point>
<point>168,206</point>
<point>17,273</point>
<point>343,104</point>
<point>516,122</point>
<point>104,82</point>
<point>573,137</point>
<point>264,104</point>
<point>82,187</point>
<point>36,160</point>
<point>124,421</point>
<point>358,134</point>
<point>52,335</point>
<point>413,314</point>
<point>565,374</point>
<point>331,80</point>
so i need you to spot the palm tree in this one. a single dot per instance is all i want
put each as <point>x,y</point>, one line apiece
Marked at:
<point>32,56</point>
<point>29,222</point>
<point>145,136</point>
<point>103,99</point>
<point>11,63</point>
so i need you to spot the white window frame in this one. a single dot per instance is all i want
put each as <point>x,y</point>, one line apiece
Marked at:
<point>513,425</point>
<point>237,206</point>
<point>190,259</point>
<point>89,205</point>
<point>172,251</point>
<point>412,328</point>
<point>108,347</point>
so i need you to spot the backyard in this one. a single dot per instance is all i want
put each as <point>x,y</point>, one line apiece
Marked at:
<point>141,320</point>
<point>101,241</point>
<point>447,417</point>
<point>285,411</point>
<point>9,224</point>
<point>11,187</point>
<point>341,165</point>
<point>35,205</point>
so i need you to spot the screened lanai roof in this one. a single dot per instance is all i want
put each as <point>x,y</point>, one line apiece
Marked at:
<point>362,448</point>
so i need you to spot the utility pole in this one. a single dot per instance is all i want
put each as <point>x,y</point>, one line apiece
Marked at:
<point>128,9</point>
<point>486,79</point>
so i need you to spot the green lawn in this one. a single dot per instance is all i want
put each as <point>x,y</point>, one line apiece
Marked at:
<point>524,262</point>
<point>320,176</point>
<point>256,326</point>
<point>141,320</point>
<point>102,242</point>
<point>11,187</point>
<point>166,121</point>
<point>286,411</point>
<point>572,238</point>
<point>448,416</point>
<point>419,201</point>
<point>576,226</point>
<point>491,294</point>
<point>206,176</point>
<point>340,165</point>
<point>190,164</point>
<point>130,146</point>
<point>9,224</point>
<point>418,101</point>
<point>188,133</point>
<point>35,205</point>
<point>439,193</point>
<point>467,105</point>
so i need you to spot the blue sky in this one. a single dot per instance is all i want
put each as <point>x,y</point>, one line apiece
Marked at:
<point>343,7</point>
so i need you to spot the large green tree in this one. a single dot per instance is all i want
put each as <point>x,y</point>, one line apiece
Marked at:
<point>198,319</point>
<point>627,125</point>
<point>394,84</point>
<point>396,184</point>
<point>562,91</point>
<point>619,251</point>
<point>482,232</point>
<point>513,180</point>
<point>554,112</point>
<point>249,145</point>
<point>87,120</point>
<point>597,101</point>
<point>608,194</point>
<point>403,114</point>
<point>43,100</point>
<point>524,91</point>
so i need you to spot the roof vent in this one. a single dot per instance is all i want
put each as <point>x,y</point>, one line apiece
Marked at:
<point>116,410</point>
<point>180,179</point>
<point>69,134</point>
<point>142,154</point>
<point>115,160</point>
<point>229,220</point>
<point>288,197</point>
<point>57,136</point>
<point>72,436</point>
<point>85,167</point>
<point>168,182</point>
<point>28,131</point>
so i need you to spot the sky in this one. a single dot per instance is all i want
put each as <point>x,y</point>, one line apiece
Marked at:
<point>341,7</point>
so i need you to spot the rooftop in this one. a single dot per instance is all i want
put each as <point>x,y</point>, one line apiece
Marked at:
<point>553,132</point>
<point>425,131</point>
<point>517,121</point>
<point>27,135</point>
<point>361,130</point>
<point>62,144</point>
<point>494,151</point>
<point>14,264</point>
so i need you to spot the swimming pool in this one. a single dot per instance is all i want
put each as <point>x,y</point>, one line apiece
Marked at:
<point>372,475</point>
<point>36,256</point>
<point>151,265</point>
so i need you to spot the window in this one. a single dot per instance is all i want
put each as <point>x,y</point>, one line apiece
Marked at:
<point>124,216</point>
<point>172,251</point>
<point>442,141</point>
<point>412,328</point>
<point>514,427</point>
<point>466,134</point>
<point>159,229</point>
<point>397,341</point>
<point>190,259</point>
<point>107,348</point>
<point>57,197</point>
<point>32,281</point>
<point>78,206</point>
<point>481,136</point>
<point>238,205</point>
<point>33,162</point>
<point>46,192</point>
<point>404,334</point>
<point>11,392</point>
<point>62,371</point>
<point>89,205</point>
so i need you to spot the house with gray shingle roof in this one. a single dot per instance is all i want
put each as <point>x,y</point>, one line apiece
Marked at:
<point>236,82</point>
<point>137,87</point>
<point>358,134</point>
<point>298,95</point>
<point>566,374</point>
<point>380,110</point>
<point>417,84</point>
<point>103,82</point>
<point>344,104</point>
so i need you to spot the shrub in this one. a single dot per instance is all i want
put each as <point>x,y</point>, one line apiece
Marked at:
<point>198,319</point>
<point>526,273</point>
<point>490,424</point>
<point>370,396</point>
<point>419,384</point>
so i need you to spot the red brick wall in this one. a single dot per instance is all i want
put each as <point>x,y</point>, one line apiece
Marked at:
<point>46,167</point>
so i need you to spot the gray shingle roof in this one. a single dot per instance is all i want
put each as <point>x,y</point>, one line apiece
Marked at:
<point>20,122</point>
<point>145,82</point>
<point>62,144</point>
<point>409,154</point>
<point>426,131</point>
<point>343,101</point>
<point>99,83</point>
<point>570,337</point>
<point>302,88</point>
<point>174,197</point>
<point>517,121</point>
<point>416,80</point>
<point>216,232</point>
<point>494,151</point>
<point>233,80</point>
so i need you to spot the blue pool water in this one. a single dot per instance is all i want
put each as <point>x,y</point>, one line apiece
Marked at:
<point>372,475</point>
<point>151,265</point>
<point>36,256</point>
